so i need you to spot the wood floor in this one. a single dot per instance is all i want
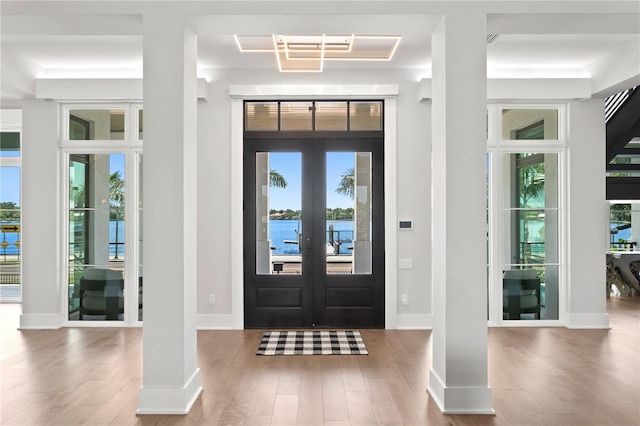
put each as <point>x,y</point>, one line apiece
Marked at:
<point>542,376</point>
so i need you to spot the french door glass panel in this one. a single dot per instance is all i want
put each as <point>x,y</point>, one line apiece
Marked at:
<point>96,236</point>
<point>278,213</point>
<point>349,213</point>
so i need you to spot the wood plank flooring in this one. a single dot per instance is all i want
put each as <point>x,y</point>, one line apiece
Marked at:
<point>539,376</point>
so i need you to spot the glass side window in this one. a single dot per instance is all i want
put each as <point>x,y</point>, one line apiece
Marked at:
<point>624,226</point>
<point>9,144</point>
<point>529,124</point>
<point>96,237</point>
<point>623,258</point>
<point>261,116</point>
<point>296,116</point>
<point>331,116</point>
<point>365,115</point>
<point>313,115</point>
<point>96,124</point>
<point>10,231</point>
<point>531,233</point>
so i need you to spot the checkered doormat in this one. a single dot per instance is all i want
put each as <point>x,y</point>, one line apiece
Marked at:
<point>312,343</point>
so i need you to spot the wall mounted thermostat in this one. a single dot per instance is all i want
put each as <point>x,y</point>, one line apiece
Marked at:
<point>405,224</point>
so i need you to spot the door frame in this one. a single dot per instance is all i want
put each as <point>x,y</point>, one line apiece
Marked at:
<point>241,93</point>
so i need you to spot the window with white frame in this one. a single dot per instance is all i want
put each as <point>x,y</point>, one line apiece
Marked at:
<point>526,149</point>
<point>102,154</point>
<point>10,214</point>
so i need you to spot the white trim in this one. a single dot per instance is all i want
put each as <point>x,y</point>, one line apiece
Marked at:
<point>390,213</point>
<point>596,320</point>
<point>527,89</point>
<point>170,400</point>
<point>40,322</point>
<point>90,89</point>
<point>238,94</point>
<point>315,91</point>
<point>215,322</point>
<point>237,214</point>
<point>415,322</point>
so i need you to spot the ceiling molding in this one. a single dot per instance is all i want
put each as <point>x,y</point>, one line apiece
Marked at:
<point>279,91</point>
<point>543,89</point>
<point>90,89</point>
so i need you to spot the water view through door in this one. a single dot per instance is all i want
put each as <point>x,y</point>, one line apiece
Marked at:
<point>313,229</point>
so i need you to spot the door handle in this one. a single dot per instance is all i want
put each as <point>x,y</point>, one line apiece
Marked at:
<point>307,244</point>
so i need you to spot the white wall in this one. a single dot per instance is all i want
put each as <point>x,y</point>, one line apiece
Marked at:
<point>41,263</point>
<point>588,215</point>
<point>214,181</point>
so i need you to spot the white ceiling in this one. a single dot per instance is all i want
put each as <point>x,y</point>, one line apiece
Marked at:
<point>110,45</point>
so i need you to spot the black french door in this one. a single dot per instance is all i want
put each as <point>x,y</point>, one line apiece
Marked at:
<point>313,231</point>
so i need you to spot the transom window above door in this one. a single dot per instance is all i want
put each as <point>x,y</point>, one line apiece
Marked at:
<point>117,124</point>
<point>313,116</point>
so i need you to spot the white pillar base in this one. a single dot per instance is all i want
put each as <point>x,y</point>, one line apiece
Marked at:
<point>460,400</point>
<point>170,400</point>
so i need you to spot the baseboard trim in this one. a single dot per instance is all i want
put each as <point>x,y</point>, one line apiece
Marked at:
<point>587,321</point>
<point>215,322</point>
<point>40,322</point>
<point>170,400</point>
<point>414,322</point>
<point>460,399</point>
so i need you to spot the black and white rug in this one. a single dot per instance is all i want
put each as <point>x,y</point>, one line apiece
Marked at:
<point>316,342</point>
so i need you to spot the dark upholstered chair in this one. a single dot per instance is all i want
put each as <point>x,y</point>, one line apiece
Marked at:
<point>101,293</point>
<point>520,293</point>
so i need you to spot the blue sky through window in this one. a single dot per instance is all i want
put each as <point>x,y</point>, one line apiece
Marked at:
<point>289,165</point>
<point>10,184</point>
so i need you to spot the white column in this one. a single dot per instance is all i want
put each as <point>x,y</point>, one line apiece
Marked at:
<point>41,290</point>
<point>588,217</point>
<point>171,378</point>
<point>458,380</point>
